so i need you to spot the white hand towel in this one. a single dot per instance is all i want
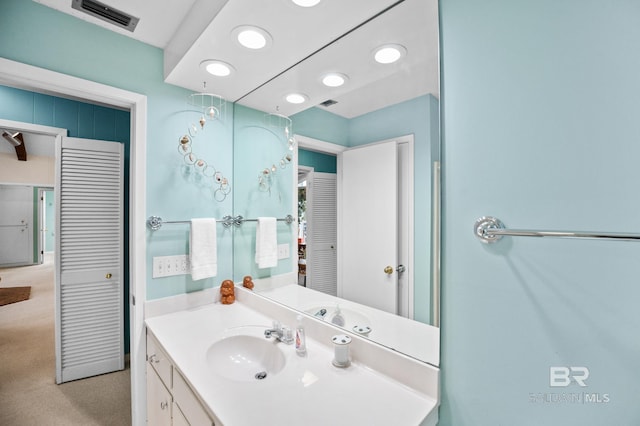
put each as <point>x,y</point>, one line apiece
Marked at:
<point>203,248</point>
<point>266,243</point>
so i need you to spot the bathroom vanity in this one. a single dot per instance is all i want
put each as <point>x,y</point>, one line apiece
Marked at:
<point>211,364</point>
<point>170,400</point>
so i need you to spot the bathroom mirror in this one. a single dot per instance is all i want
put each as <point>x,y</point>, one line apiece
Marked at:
<point>377,103</point>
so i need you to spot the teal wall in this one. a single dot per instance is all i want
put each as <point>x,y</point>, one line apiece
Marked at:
<point>78,48</point>
<point>81,119</point>
<point>258,147</point>
<point>176,191</point>
<point>419,117</point>
<point>540,128</point>
<point>323,163</point>
<point>319,124</point>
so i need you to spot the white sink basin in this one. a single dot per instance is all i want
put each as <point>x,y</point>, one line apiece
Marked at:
<point>351,318</point>
<point>246,356</point>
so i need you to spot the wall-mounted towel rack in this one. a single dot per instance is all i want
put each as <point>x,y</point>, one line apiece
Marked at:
<point>156,222</point>
<point>490,230</point>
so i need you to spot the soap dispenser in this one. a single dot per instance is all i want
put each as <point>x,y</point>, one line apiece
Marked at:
<point>301,344</point>
<point>338,319</point>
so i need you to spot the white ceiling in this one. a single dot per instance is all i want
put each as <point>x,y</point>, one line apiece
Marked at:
<point>334,36</point>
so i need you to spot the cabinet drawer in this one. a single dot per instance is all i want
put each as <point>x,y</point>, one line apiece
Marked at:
<point>188,403</point>
<point>159,360</point>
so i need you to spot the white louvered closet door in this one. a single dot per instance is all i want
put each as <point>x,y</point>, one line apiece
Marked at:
<point>89,258</point>
<point>322,233</point>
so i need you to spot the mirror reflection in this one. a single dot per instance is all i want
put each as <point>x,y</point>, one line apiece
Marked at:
<point>360,181</point>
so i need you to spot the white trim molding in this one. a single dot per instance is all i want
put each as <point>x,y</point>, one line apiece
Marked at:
<point>317,145</point>
<point>17,74</point>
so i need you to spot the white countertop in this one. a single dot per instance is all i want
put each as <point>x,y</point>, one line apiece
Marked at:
<point>309,390</point>
<point>414,338</point>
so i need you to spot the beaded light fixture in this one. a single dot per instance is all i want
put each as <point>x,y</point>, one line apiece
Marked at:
<point>207,107</point>
<point>283,127</point>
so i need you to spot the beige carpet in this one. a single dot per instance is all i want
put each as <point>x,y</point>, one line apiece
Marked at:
<point>28,393</point>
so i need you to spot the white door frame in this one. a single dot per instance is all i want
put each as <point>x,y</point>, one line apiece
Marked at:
<point>317,145</point>
<point>42,217</point>
<point>29,77</point>
<point>308,176</point>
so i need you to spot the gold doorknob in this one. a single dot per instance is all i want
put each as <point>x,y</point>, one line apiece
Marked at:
<point>108,276</point>
<point>388,270</point>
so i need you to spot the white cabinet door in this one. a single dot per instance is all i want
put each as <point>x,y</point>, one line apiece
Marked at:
<point>178,417</point>
<point>159,401</point>
<point>89,258</point>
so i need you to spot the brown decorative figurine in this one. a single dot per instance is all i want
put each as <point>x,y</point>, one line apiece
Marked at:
<point>227,292</point>
<point>247,282</point>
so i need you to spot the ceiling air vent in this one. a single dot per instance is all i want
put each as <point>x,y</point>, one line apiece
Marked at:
<point>106,13</point>
<point>328,103</point>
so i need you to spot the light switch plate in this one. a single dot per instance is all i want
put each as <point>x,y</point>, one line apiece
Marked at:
<point>166,266</point>
<point>283,251</point>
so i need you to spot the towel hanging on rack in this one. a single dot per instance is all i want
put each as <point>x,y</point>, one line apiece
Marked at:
<point>203,250</point>
<point>266,242</point>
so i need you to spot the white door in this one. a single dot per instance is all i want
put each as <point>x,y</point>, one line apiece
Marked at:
<point>322,233</point>
<point>89,271</point>
<point>368,226</point>
<point>16,223</point>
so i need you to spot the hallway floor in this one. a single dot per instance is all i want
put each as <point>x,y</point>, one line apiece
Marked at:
<point>28,393</point>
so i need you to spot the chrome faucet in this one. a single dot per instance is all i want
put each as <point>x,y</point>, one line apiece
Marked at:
<point>282,334</point>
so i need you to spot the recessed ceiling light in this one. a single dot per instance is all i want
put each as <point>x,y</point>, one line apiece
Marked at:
<point>389,53</point>
<point>296,98</point>
<point>217,68</point>
<point>252,37</point>
<point>306,3</point>
<point>334,79</point>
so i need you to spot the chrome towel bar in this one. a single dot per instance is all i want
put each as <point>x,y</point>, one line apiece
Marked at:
<point>156,222</point>
<point>490,230</point>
